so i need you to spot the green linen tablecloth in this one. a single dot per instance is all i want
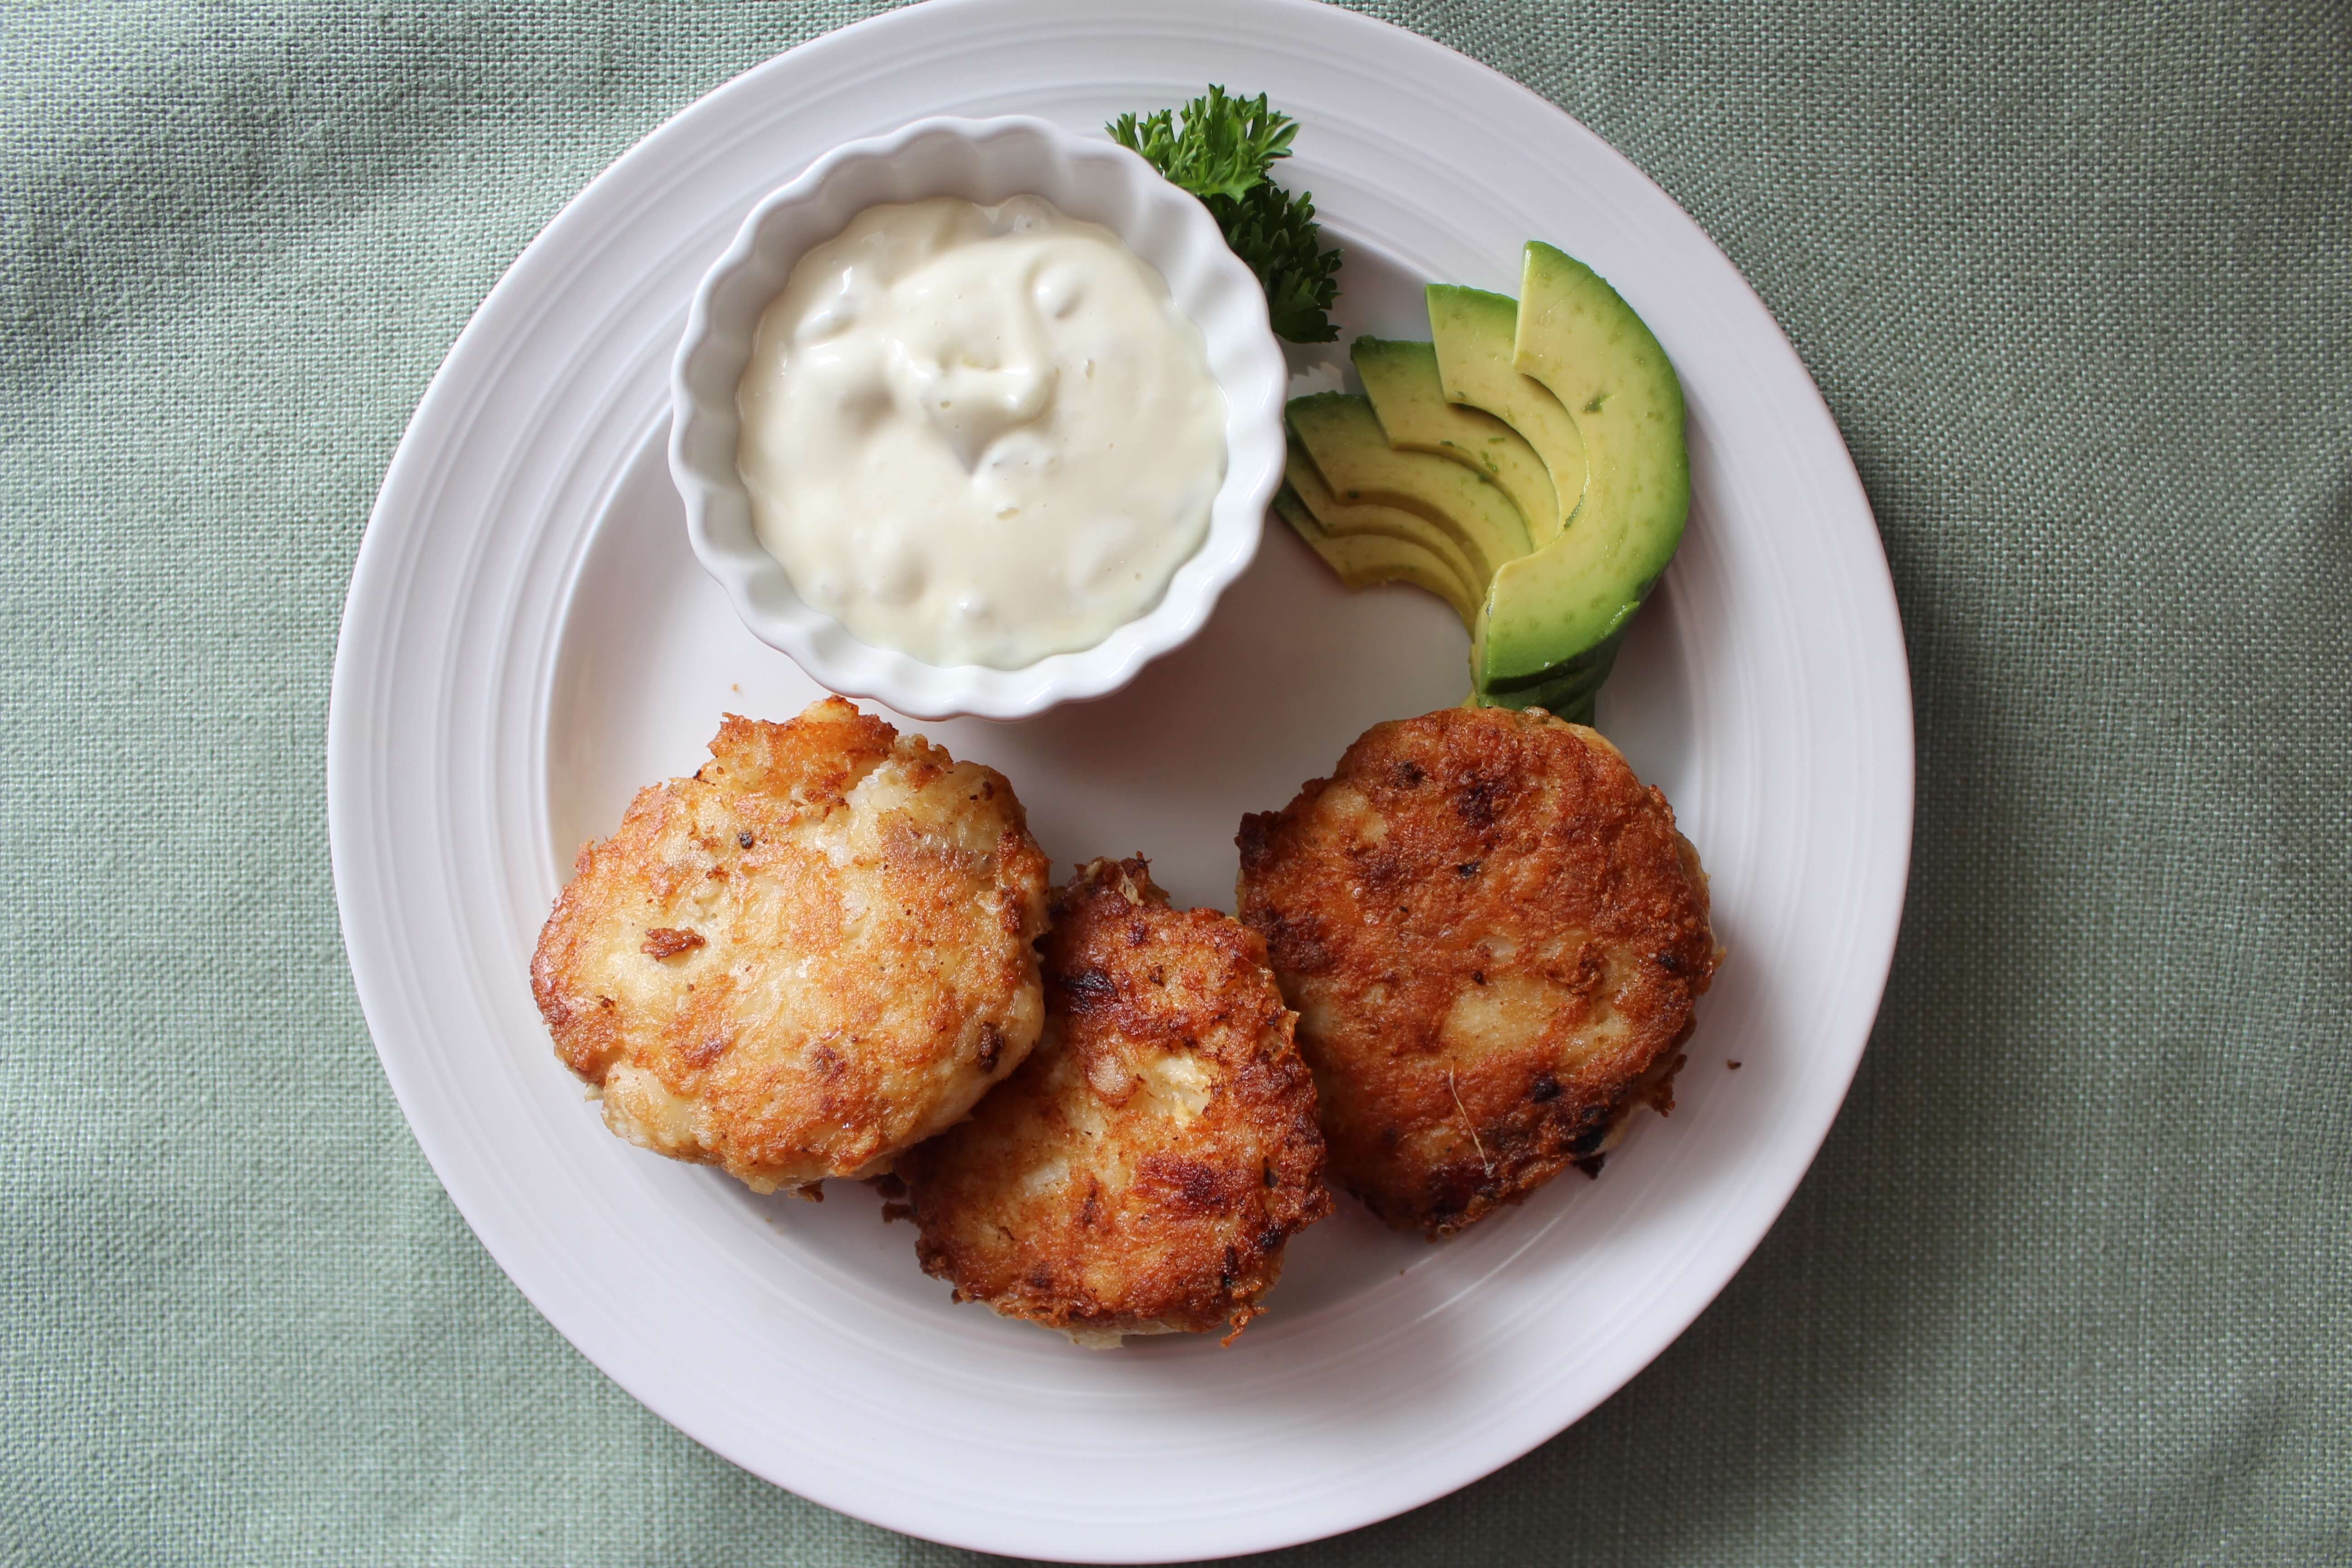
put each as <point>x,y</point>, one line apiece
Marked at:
<point>2071,1281</point>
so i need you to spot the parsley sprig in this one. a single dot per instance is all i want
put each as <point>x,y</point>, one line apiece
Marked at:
<point>1221,150</point>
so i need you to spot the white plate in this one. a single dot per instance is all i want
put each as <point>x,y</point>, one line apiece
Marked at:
<point>528,639</point>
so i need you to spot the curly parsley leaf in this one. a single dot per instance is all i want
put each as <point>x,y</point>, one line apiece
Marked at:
<point>1222,149</point>
<point>1275,235</point>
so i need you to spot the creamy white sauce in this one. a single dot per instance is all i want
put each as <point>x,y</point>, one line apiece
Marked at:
<point>979,434</point>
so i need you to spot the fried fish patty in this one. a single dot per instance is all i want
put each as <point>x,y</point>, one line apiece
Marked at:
<point>811,955</point>
<point>1144,1170</point>
<point>1494,937</point>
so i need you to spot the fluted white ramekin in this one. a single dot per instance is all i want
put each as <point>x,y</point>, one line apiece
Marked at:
<point>984,161</point>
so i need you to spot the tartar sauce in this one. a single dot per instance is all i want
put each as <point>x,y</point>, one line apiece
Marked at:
<point>979,434</point>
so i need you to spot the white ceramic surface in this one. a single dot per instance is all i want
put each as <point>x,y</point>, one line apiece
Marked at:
<point>528,639</point>
<point>983,161</point>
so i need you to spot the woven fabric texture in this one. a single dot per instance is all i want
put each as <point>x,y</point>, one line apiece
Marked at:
<point>2071,1281</point>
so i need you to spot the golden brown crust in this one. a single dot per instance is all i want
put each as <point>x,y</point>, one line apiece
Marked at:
<point>811,955</point>
<point>1144,1169</point>
<point>1494,937</point>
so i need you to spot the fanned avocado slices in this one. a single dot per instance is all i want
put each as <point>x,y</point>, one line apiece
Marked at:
<point>1350,519</point>
<point>1474,334</point>
<point>1565,393</point>
<point>1408,398</point>
<point>1344,437</point>
<point>1554,618</point>
<point>1364,559</point>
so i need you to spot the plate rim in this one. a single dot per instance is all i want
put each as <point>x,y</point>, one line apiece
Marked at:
<point>444,401</point>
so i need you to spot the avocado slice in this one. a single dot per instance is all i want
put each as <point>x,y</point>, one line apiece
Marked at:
<point>1568,689</point>
<point>1356,520</point>
<point>1409,398</point>
<point>1363,560</point>
<point>1554,618</point>
<point>1344,437</point>
<point>1475,332</point>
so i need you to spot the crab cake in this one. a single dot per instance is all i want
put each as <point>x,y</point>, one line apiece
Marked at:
<point>811,955</point>
<point>1494,937</point>
<point>1142,1171</point>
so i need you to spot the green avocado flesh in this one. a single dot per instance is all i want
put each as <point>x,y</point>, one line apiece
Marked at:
<point>1363,560</point>
<point>1528,466</point>
<point>1554,618</point>
<point>1474,332</point>
<point>1570,688</point>
<point>1344,439</point>
<point>1336,518</point>
<point>1409,399</point>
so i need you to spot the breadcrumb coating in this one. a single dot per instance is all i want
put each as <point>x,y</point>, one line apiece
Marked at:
<point>1144,1169</point>
<point>1495,937</point>
<point>812,954</point>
